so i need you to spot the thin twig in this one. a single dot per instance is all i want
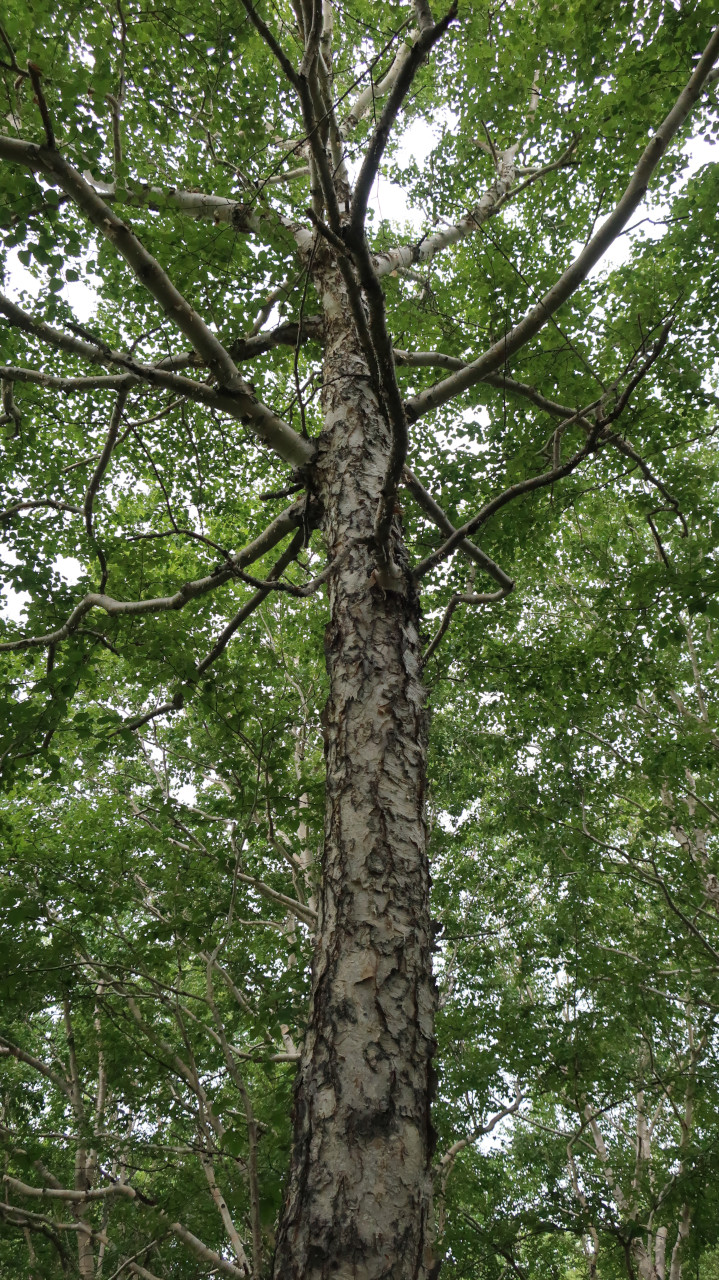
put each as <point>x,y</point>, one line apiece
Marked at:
<point>485,597</point>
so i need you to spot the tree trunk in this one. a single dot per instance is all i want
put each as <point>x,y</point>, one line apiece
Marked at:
<point>359,1198</point>
<point>660,1253</point>
<point>683,1229</point>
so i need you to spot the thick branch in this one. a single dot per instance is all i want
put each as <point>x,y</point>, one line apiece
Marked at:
<point>311,329</point>
<point>373,92</point>
<point>10,411</point>
<point>241,217</point>
<point>35,1220</point>
<point>227,1222</point>
<point>146,268</point>
<point>36,505</point>
<point>38,1221</point>
<point>489,204</point>
<point>425,21</point>
<point>104,382</point>
<point>36,80</point>
<point>573,277</point>
<point>7,1047</point>
<point>502,189</point>
<point>65,1194</point>
<point>138,1270</point>
<point>377,143</point>
<point>152,276</point>
<point>207,1254</point>
<point>279,435</point>
<point>304,912</point>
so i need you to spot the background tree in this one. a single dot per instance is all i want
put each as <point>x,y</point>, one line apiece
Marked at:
<point>579,905</point>
<point>213,171</point>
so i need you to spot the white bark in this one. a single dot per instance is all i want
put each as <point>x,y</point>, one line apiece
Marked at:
<point>404,256</point>
<point>360,1188</point>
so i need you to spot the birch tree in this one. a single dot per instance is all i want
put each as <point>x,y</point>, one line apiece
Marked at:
<point>214,169</point>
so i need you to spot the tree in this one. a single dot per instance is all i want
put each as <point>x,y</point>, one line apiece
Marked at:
<point>579,900</point>
<point>123,124</point>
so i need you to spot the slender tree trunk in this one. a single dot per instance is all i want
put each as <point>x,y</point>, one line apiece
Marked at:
<point>685,1222</point>
<point>359,1197</point>
<point>660,1253</point>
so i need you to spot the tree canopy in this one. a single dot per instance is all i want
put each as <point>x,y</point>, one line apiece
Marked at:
<point>205,585</point>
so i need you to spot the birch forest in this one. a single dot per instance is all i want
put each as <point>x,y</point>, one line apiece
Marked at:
<point>359,694</point>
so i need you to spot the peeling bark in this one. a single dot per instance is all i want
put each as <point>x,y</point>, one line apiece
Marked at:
<point>359,1197</point>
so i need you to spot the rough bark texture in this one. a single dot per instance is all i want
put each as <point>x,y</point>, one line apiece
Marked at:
<point>359,1198</point>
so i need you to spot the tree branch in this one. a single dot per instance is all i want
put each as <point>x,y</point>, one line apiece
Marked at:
<point>10,411</point>
<point>300,593</point>
<point>225,636</point>
<point>39,504</point>
<point>138,1270</point>
<point>304,912</point>
<point>443,522</point>
<point>377,143</point>
<point>38,1221</point>
<point>485,597</point>
<point>310,329</point>
<point>480,1131</point>
<point>242,217</point>
<point>152,276</point>
<point>146,268</point>
<point>227,1222</point>
<point>278,529</point>
<point>279,435</point>
<point>524,391</point>
<point>576,273</point>
<point>514,491</point>
<point>100,469</point>
<point>490,203</point>
<point>272,44</point>
<point>61,1193</point>
<point>35,79</point>
<point>425,21</point>
<point>390,394</point>
<point>178,699</point>
<point>8,1047</point>
<point>206,1254</point>
<point>598,435</point>
<point>496,195</point>
<point>104,382</point>
<point>373,92</point>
